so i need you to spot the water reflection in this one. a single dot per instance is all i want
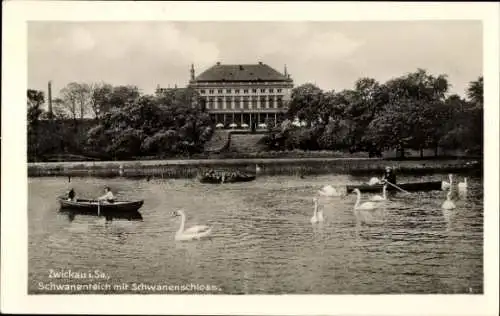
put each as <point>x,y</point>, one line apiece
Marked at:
<point>108,215</point>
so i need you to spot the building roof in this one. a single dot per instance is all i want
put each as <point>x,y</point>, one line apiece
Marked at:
<point>252,72</point>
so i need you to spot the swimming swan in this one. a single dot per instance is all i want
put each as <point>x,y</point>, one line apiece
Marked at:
<point>446,185</point>
<point>195,232</point>
<point>328,190</point>
<point>365,205</point>
<point>380,198</point>
<point>374,181</point>
<point>318,215</point>
<point>462,186</point>
<point>448,204</point>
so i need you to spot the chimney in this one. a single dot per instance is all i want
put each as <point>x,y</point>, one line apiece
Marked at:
<point>218,63</point>
<point>192,72</point>
<point>286,72</point>
<point>260,63</point>
<point>49,98</point>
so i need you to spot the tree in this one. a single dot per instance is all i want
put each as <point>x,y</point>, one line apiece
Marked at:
<point>475,92</point>
<point>35,100</point>
<point>412,114</point>
<point>76,98</point>
<point>100,99</point>
<point>305,103</point>
<point>164,124</point>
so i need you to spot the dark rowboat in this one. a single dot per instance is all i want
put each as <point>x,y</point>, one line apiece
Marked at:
<point>228,178</point>
<point>103,207</point>
<point>410,187</point>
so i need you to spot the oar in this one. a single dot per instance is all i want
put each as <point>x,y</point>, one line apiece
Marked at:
<point>397,187</point>
<point>98,208</point>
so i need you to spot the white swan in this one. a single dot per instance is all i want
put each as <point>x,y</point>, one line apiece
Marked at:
<point>380,198</point>
<point>257,169</point>
<point>318,215</point>
<point>374,181</point>
<point>448,204</point>
<point>462,186</point>
<point>328,190</point>
<point>195,232</point>
<point>365,205</point>
<point>446,185</point>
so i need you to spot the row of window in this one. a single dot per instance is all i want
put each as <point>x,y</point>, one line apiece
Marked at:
<point>245,104</point>
<point>254,99</point>
<point>237,91</point>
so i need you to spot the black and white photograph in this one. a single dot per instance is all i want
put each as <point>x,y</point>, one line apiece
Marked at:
<point>234,157</point>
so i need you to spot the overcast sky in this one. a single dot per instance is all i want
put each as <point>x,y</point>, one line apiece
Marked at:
<point>331,54</point>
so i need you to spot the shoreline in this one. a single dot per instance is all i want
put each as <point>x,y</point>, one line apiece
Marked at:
<point>189,168</point>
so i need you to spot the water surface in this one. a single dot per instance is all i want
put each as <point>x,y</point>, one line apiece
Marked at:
<point>262,240</point>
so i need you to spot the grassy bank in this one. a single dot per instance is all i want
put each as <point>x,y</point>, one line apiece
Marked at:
<point>287,166</point>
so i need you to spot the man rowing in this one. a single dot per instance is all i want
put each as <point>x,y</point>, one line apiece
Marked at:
<point>389,176</point>
<point>108,196</point>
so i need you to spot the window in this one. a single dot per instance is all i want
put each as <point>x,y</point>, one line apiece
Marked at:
<point>254,102</point>
<point>280,102</point>
<point>245,103</point>
<point>211,91</point>
<point>254,90</point>
<point>271,90</point>
<point>262,90</point>
<point>279,90</point>
<point>237,91</point>
<point>271,102</point>
<point>237,103</point>
<point>228,90</point>
<point>262,101</point>
<point>219,91</point>
<point>202,91</point>
<point>245,91</point>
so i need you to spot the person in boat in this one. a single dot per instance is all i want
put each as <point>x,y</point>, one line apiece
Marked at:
<point>389,176</point>
<point>71,195</point>
<point>108,196</point>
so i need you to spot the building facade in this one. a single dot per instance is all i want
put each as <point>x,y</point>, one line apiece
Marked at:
<point>243,95</point>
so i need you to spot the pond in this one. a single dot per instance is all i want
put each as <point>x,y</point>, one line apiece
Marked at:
<point>262,240</point>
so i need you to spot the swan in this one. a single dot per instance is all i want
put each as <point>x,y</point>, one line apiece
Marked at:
<point>195,232</point>
<point>365,205</point>
<point>447,185</point>
<point>328,190</point>
<point>318,215</point>
<point>462,186</point>
<point>374,181</point>
<point>381,198</point>
<point>448,204</point>
<point>257,169</point>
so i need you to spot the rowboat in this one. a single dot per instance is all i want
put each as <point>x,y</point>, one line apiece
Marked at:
<point>226,177</point>
<point>100,206</point>
<point>410,187</point>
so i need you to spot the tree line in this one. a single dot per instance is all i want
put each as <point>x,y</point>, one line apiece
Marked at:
<point>117,122</point>
<point>414,111</point>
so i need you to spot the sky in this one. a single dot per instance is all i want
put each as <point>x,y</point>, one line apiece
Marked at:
<point>333,55</point>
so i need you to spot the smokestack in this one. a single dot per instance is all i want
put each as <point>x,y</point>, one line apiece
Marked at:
<point>49,98</point>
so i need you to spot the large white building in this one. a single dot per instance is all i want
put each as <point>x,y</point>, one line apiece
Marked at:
<point>243,94</point>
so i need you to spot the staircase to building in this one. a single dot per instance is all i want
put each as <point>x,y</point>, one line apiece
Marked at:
<point>219,141</point>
